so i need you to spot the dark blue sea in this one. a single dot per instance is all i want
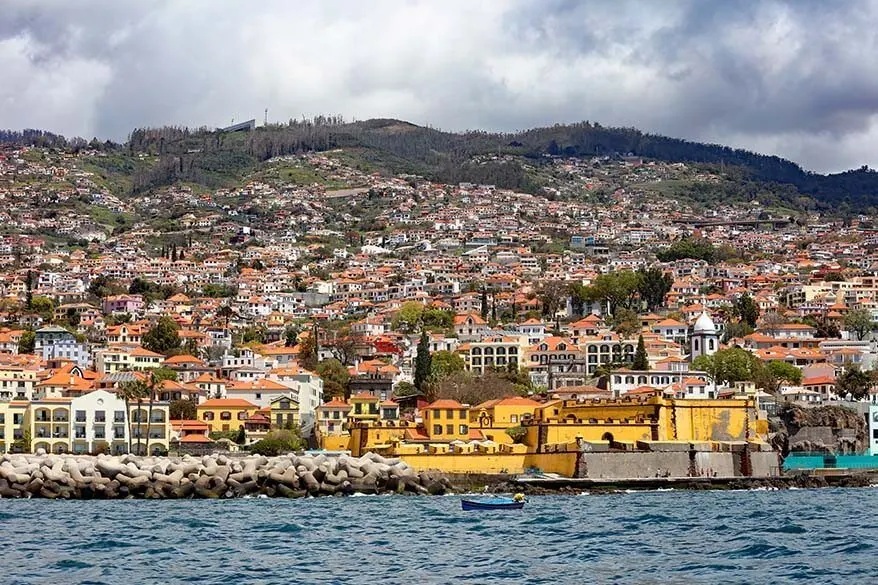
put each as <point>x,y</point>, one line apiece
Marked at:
<point>819,536</point>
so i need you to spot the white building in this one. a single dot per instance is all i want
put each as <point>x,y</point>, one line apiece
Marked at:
<point>99,423</point>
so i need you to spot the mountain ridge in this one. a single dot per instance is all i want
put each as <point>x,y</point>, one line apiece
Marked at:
<point>212,157</point>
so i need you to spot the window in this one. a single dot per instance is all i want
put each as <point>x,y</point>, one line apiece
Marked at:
<point>464,429</point>
<point>242,416</point>
<point>207,416</point>
<point>119,416</point>
<point>80,416</point>
<point>100,416</point>
<point>449,429</point>
<point>226,428</point>
<point>449,414</point>
<point>17,418</point>
<point>463,414</point>
<point>437,429</point>
<point>513,418</point>
<point>875,434</point>
<point>225,415</point>
<point>336,415</point>
<point>437,414</point>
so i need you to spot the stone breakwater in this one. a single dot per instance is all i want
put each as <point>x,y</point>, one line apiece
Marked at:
<point>211,476</point>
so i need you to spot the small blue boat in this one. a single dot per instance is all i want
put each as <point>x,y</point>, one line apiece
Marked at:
<point>493,504</point>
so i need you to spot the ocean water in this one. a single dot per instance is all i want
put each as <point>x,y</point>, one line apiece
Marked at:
<point>797,536</point>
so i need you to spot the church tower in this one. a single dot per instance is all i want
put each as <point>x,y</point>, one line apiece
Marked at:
<point>704,340</point>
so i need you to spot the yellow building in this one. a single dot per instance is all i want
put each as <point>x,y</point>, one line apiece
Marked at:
<point>446,420</point>
<point>628,420</point>
<point>284,412</point>
<point>17,383</point>
<point>364,407</point>
<point>493,417</point>
<point>50,424</point>
<point>225,414</point>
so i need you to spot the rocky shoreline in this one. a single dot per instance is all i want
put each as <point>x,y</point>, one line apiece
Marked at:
<point>211,476</point>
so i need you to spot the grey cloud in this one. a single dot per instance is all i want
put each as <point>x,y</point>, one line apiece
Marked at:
<point>793,77</point>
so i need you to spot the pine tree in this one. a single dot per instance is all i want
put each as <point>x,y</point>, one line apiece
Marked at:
<point>641,358</point>
<point>484,303</point>
<point>423,361</point>
<point>174,253</point>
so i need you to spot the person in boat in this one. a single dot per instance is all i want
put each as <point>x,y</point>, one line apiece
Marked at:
<point>518,497</point>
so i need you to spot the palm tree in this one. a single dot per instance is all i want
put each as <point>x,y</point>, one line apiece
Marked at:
<point>151,390</point>
<point>133,390</point>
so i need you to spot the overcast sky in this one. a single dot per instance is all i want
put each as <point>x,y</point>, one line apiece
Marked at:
<point>797,78</point>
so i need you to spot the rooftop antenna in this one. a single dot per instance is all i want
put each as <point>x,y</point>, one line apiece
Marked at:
<point>266,117</point>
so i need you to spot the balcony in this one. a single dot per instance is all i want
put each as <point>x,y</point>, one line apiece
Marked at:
<point>100,418</point>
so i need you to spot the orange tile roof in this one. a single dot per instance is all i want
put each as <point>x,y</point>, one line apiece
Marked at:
<point>227,403</point>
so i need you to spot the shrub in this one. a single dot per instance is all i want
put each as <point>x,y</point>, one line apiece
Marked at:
<point>278,443</point>
<point>517,434</point>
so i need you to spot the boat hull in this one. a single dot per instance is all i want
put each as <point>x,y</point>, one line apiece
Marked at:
<point>475,505</point>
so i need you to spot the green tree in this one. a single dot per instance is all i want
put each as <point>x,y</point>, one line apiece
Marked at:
<point>625,322</point>
<point>254,334</point>
<point>746,310</point>
<point>728,366</point>
<point>653,285</point>
<point>617,289</point>
<point>163,337</point>
<point>694,248</point>
<point>736,330</point>
<point>641,358</point>
<point>859,322</point>
<point>183,409</point>
<point>335,378</point>
<point>772,375</point>
<point>405,389</point>
<point>241,438</point>
<point>291,336</point>
<point>437,319</point>
<point>44,306</point>
<point>162,374</point>
<point>27,342</point>
<point>853,381</point>
<point>422,361</point>
<point>444,363</point>
<point>408,317</point>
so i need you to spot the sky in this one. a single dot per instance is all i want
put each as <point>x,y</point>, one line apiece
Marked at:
<point>795,78</point>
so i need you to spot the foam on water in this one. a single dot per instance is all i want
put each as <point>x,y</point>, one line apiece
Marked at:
<point>754,536</point>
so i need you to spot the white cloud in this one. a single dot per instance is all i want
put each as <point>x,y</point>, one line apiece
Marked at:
<point>793,78</point>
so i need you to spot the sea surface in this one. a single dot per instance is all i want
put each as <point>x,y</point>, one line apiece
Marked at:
<point>796,536</point>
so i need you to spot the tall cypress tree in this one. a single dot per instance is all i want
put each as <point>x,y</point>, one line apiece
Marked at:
<point>422,361</point>
<point>641,358</point>
<point>484,303</point>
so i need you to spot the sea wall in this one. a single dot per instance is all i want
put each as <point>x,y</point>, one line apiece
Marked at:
<point>677,464</point>
<point>128,476</point>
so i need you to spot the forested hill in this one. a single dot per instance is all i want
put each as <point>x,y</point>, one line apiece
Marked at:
<point>214,158</point>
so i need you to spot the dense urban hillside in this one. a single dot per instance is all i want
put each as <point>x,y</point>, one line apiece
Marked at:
<point>214,159</point>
